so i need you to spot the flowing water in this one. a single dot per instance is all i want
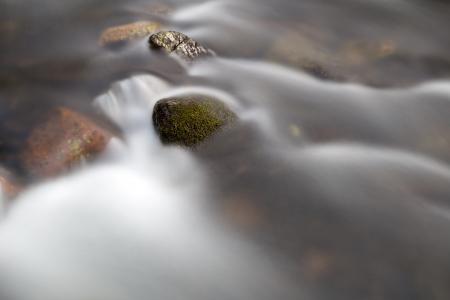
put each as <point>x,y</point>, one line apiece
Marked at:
<point>333,184</point>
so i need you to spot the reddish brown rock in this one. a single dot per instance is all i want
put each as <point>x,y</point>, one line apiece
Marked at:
<point>9,186</point>
<point>317,264</point>
<point>63,140</point>
<point>243,212</point>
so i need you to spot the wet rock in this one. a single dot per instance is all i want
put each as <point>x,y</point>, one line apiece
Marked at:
<point>8,30</point>
<point>378,61</point>
<point>9,185</point>
<point>317,54</point>
<point>316,264</point>
<point>403,69</point>
<point>63,140</point>
<point>244,212</point>
<point>169,40</point>
<point>305,49</point>
<point>158,9</point>
<point>360,52</point>
<point>189,120</point>
<point>115,36</point>
<point>180,44</point>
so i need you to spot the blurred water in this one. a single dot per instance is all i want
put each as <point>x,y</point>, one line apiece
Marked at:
<point>130,226</point>
<point>334,184</point>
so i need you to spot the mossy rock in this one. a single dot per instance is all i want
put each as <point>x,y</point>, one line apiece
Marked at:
<point>189,120</point>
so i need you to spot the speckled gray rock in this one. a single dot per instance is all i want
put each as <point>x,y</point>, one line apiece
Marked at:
<point>179,43</point>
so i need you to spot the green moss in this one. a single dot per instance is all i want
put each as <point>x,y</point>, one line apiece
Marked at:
<point>190,120</point>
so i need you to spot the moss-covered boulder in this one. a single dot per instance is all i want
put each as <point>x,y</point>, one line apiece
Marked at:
<point>178,43</point>
<point>189,120</point>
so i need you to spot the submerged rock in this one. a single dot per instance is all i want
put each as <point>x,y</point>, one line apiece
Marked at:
<point>158,8</point>
<point>179,43</point>
<point>189,120</point>
<point>383,61</point>
<point>64,139</point>
<point>119,34</point>
<point>305,49</point>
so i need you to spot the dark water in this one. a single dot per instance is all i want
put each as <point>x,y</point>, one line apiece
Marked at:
<point>334,184</point>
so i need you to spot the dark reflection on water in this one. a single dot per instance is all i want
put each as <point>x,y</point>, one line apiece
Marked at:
<point>340,166</point>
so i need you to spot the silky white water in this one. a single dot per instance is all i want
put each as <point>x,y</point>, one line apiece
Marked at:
<point>136,222</point>
<point>132,226</point>
<point>326,188</point>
